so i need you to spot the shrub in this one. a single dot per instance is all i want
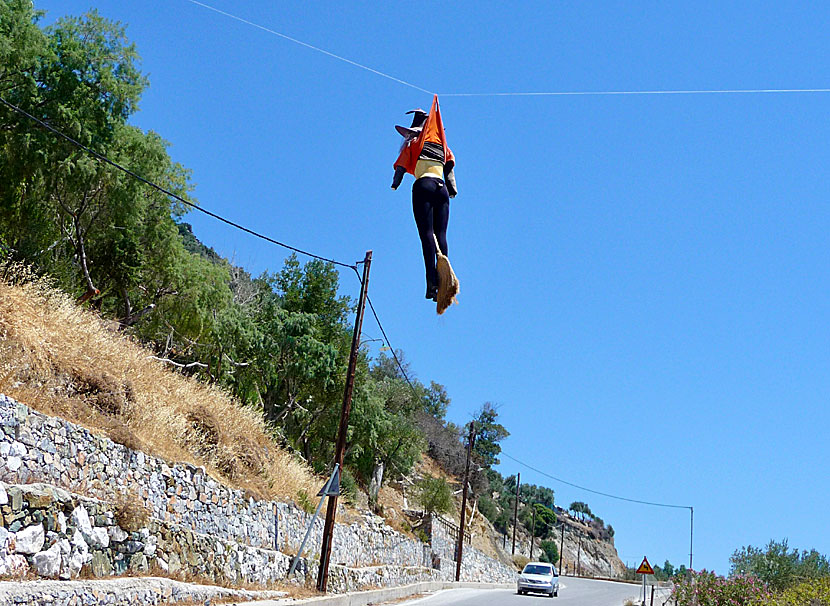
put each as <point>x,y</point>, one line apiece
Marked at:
<point>488,508</point>
<point>130,512</point>
<point>434,495</point>
<point>707,589</point>
<point>520,561</point>
<point>550,552</point>
<point>809,593</point>
<point>348,486</point>
<point>779,566</point>
<point>304,502</point>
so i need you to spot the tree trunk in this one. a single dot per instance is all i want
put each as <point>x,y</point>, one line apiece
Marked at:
<point>375,483</point>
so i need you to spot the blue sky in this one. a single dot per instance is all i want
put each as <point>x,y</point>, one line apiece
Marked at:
<point>644,284</point>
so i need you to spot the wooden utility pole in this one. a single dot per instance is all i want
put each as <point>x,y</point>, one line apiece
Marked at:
<point>459,552</point>
<point>578,562</point>
<point>532,530</point>
<point>516,510</point>
<point>325,549</point>
<point>562,546</point>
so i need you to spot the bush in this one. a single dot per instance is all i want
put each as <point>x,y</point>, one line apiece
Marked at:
<point>520,561</point>
<point>434,495</point>
<point>779,566</point>
<point>304,502</point>
<point>348,487</point>
<point>808,593</point>
<point>130,512</point>
<point>488,509</point>
<point>550,552</point>
<point>707,589</point>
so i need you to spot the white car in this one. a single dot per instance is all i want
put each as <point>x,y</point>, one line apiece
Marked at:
<point>541,577</point>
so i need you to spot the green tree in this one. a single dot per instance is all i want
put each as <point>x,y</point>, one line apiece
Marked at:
<point>434,495</point>
<point>385,438</point>
<point>435,400</point>
<point>488,435</point>
<point>777,565</point>
<point>550,552</point>
<point>581,509</point>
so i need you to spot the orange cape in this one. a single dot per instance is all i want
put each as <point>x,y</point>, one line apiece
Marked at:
<point>433,132</point>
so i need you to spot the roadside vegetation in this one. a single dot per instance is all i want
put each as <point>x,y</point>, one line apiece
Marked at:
<point>775,575</point>
<point>114,315</point>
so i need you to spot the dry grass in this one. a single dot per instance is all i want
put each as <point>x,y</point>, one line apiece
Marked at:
<point>64,361</point>
<point>130,512</point>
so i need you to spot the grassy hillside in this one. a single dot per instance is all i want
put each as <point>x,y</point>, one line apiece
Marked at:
<point>62,360</point>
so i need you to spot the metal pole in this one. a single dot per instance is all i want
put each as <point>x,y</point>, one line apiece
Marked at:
<point>313,519</point>
<point>516,511</point>
<point>644,590</point>
<point>652,596</point>
<point>460,549</point>
<point>691,536</point>
<point>532,530</point>
<point>331,509</point>
<point>562,546</point>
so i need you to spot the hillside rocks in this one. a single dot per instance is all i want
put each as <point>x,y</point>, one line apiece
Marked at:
<point>110,510</point>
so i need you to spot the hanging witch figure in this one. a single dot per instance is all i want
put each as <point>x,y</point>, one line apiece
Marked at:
<point>426,155</point>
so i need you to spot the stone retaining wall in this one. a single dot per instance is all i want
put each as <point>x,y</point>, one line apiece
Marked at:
<point>197,524</point>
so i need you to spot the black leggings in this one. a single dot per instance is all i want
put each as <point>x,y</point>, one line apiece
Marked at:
<point>431,207</point>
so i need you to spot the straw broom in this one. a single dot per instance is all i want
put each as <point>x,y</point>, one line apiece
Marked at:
<point>448,286</point>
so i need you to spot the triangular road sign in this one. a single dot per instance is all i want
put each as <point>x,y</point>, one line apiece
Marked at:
<point>645,567</point>
<point>333,484</point>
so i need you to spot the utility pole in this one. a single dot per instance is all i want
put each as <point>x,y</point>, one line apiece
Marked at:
<point>578,555</point>
<point>460,549</point>
<point>691,537</point>
<point>325,549</point>
<point>532,531</point>
<point>516,510</point>
<point>562,546</point>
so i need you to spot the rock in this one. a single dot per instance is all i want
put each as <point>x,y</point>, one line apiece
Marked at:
<point>138,563</point>
<point>30,540</point>
<point>80,557</point>
<point>80,518</point>
<point>99,538</point>
<point>117,535</point>
<point>16,498</point>
<point>13,463</point>
<point>38,498</point>
<point>174,564</point>
<point>134,546</point>
<point>48,563</point>
<point>4,497</point>
<point>61,520</point>
<point>150,547</point>
<point>101,566</point>
<point>5,539</point>
<point>13,566</point>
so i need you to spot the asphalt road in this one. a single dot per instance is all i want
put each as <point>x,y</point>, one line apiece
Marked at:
<point>572,592</point>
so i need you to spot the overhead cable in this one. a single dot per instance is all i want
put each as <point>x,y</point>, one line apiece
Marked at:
<point>585,93</point>
<point>604,494</point>
<point>167,192</point>
<point>307,45</point>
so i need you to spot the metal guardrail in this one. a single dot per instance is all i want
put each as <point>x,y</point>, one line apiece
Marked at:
<point>451,529</point>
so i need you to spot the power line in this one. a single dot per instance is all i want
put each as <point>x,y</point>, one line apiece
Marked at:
<point>307,45</point>
<point>167,192</point>
<point>604,494</point>
<point>745,91</point>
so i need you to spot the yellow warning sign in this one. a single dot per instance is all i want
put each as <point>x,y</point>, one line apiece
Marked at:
<point>645,567</point>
